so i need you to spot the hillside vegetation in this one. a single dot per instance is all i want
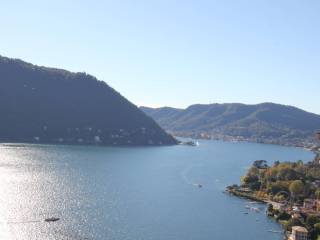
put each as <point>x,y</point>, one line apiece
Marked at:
<point>266,122</point>
<point>40,104</point>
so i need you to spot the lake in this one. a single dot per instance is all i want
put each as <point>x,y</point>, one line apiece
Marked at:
<point>141,193</point>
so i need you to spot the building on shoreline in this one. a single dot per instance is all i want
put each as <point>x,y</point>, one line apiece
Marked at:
<point>310,204</point>
<point>299,233</point>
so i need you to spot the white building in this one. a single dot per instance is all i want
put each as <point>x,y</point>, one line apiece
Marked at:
<point>299,233</point>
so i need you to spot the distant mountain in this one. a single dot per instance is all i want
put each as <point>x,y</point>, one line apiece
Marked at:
<point>39,104</point>
<point>266,122</point>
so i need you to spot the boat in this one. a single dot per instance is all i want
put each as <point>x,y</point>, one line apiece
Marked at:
<point>274,231</point>
<point>190,143</point>
<point>199,185</point>
<point>52,219</point>
<point>255,209</point>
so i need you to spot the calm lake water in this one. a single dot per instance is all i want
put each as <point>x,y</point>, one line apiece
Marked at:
<point>132,193</point>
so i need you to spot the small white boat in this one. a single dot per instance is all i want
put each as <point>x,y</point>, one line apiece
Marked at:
<point>255,209</point>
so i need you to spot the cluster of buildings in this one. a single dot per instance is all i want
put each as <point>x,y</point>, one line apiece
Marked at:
<point>302,142</point>
<point>310,207</point>
<point>90,135</point>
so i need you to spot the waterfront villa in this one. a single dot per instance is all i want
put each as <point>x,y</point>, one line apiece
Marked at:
<point>299,233</point>
<point>311,205</point>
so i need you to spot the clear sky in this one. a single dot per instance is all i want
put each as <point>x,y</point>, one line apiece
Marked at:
<point>176,53</point>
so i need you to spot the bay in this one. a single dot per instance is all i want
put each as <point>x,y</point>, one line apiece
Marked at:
<point>147,193</point>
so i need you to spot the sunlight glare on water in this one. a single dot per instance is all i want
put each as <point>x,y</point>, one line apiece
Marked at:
<point>147,193</point>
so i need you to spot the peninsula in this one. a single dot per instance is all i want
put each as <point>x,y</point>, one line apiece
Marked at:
<point>292,192</point>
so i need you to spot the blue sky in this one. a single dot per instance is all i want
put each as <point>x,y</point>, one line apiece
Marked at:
<point>176,53</point>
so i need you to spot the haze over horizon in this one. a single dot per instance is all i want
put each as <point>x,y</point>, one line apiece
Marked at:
<point>176,53</point>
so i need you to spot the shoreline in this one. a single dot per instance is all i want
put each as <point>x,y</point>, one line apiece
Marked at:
<point>244,195</point>
<point>301,142</point>
<point>306,148</point>
<point>300,213</point>
<point>85,144</point>
<point>250,196</point>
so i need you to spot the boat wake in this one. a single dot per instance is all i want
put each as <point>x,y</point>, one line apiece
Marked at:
<point>185,175</point>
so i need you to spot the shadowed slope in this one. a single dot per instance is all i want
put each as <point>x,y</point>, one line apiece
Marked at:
<point>40,104</point>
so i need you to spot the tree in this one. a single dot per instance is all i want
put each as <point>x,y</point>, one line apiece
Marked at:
<point>300,162</point>
<point>252,177</point>
<point>287,174</point>
<point>296,187</point>
<point>284,216</point>
<point>270,207</point>
<point>317,228</point>
<point>317,193</point>
<point>277,187</point>
<point>276,163</point>
<point>312,220</point>
<point>260,164</point>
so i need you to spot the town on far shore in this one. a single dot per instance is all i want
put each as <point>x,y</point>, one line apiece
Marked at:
<point>307,143</point>
<point>291,190</point>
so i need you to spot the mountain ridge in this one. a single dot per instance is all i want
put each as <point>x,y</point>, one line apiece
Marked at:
<point>51,105</point>
<point>265,122</point>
